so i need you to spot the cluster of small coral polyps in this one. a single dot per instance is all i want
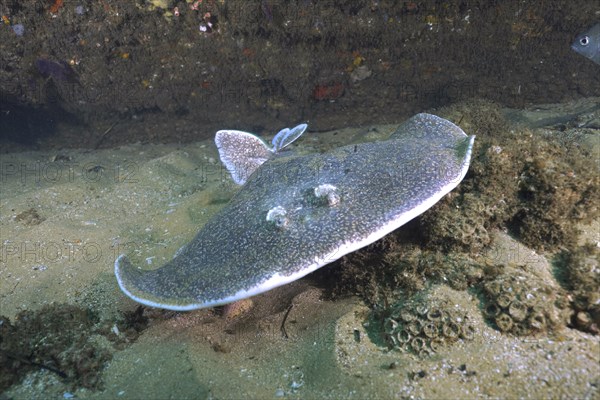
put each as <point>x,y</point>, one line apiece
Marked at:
<point>523,304</point>
<point>581,269</point>
<point>421,330</point>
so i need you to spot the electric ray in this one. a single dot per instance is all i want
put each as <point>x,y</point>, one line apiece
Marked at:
<point>296,213</point>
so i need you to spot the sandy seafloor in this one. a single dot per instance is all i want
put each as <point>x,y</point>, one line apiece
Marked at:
<point>148,201</point>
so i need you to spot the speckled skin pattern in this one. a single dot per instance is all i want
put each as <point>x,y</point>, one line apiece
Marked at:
<point>378,183</point>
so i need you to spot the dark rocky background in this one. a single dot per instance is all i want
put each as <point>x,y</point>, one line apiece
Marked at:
<point>99,73</point>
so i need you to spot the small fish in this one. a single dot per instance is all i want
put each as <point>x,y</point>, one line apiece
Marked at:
<point>588,44</point>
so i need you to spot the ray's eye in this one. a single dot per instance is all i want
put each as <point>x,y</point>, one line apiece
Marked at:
<point>584,41</point>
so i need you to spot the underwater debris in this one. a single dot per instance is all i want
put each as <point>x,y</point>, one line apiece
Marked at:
<point>29,217</point>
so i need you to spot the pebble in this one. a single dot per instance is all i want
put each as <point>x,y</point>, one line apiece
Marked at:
<point>583,319</point>
<point>360,73</point>
<point>18,29</point>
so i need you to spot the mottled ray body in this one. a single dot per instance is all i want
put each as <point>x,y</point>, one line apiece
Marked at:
<point>296,213</point>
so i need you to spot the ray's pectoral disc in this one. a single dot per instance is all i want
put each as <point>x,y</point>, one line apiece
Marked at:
<point>296,213</point>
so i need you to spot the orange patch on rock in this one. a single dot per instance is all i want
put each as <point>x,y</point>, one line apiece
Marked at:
<point>328,92</point>
<point>56,5</point>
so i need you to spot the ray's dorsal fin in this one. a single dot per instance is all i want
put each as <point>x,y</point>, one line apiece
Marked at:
<point>286,136</point>
<point>242,152</point>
